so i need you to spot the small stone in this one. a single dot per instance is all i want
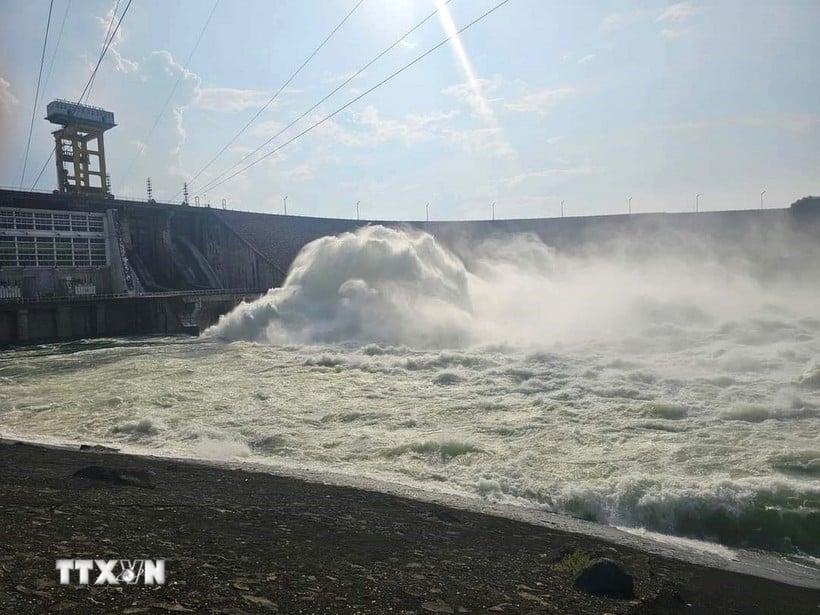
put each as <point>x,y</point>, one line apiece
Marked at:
<point>437,607</point>
<point>261,601</point>
<point>175,607</point>
<point>532,597</point>
<point>68,605</point>
<point>32,592</point>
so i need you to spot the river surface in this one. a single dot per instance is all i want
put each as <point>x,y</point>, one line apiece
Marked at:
<point>697,416</point>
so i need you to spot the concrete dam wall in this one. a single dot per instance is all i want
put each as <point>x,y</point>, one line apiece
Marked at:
<point>84,266</point>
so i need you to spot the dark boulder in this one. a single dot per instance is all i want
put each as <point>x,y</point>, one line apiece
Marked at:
<point>604,577</point>
<point>133,478</point>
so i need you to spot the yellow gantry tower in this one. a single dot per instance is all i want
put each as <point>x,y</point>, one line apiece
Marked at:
<point>79,148</point>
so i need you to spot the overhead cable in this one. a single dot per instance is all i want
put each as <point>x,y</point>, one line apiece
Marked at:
<point>36,93</point>
<point>87,85</point>
<point>360,96</point>
<point>276,95</point>
<point>173,89</point>
<point>339,87</point>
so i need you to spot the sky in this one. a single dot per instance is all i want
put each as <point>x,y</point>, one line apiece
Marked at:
<point>586,102</point>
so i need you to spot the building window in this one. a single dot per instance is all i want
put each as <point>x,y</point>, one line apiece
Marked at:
<point>95,224</point>
<point>8,252</point>
<point>61,222</point>
<point>45,251</point>
<point>81,255</point>
<point>79,222</point>
<point>63,249</point>
<point>24,220</point>
<point>98,252</point>
<point>43,221</point>
<point>6,219</point>
<point>25,252</point>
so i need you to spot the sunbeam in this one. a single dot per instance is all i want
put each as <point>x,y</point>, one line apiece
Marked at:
<point>479,102</point>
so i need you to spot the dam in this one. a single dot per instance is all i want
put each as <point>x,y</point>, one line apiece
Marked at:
<point>83,265</point>
<point>78,262</point>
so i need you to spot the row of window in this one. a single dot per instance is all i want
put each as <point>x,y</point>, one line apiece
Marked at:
<point>47,221</point>
<point>24,251</point>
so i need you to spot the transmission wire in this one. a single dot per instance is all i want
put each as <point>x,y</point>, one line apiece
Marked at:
<point>276,95</point>
<point>85,89</point>
<point>342,85</point>
<point>360,96</point>
<point>36,93</point>
<point>171,94</point>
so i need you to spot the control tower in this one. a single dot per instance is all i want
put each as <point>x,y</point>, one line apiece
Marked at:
<point>77,143</point>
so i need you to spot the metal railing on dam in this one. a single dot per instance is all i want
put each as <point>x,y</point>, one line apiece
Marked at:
<point>232,292</point>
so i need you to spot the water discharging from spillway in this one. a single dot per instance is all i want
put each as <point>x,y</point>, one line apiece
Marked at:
<point>676,390</point>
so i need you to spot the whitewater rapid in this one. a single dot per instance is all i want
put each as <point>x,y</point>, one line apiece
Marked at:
<point>680,398</point>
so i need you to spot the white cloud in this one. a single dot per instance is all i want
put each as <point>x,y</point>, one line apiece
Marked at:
<point>801,123</point>
<point>487,141</point>
<point>673,34</point>
<point>586,58</point>
<point>408,44</point>
<point>339,78</point>
<point>266,129</point>
<point>214,98</point>
<point>473,94</point>
<point>172,67</point>
<point>107,26</point>
<point>368,128</point>
<point>677,13</point>
<point>412,128</point>
<point>542,102</point>
<point>616,21</point>
<point>230,99</point>
<point>124,65</point>
<point>140,146</point>
<point>300,172</point>
<point>182,135</point>
<point>674,17</point>
<point>7,100</point>
<point>547,174</point>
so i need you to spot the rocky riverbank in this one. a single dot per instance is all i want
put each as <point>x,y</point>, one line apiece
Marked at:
<point>248,542</point>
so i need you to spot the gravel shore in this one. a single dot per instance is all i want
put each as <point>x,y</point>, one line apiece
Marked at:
<point>251,542</point>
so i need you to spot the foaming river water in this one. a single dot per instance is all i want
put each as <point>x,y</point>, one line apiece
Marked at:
<point>692,420</point>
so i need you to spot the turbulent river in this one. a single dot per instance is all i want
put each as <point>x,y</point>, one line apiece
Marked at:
<point>669,393</point>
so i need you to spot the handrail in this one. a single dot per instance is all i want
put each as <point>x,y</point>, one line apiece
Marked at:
<point>171,293</point>
<point>76,104</point>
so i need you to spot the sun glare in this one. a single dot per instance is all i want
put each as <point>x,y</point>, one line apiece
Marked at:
<point>480,103</point>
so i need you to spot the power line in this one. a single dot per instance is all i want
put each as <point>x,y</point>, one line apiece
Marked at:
<point>171,94</point>
<point>57,46</point>
<point>362,95</point>
<point>87,85</point>
<point>106,41</point>
<point>48,76</point>
<point>339,87</point>
<point>279,91</point>
<point>36,93</point>
<point>43,168</point>
<point>104,51</point>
